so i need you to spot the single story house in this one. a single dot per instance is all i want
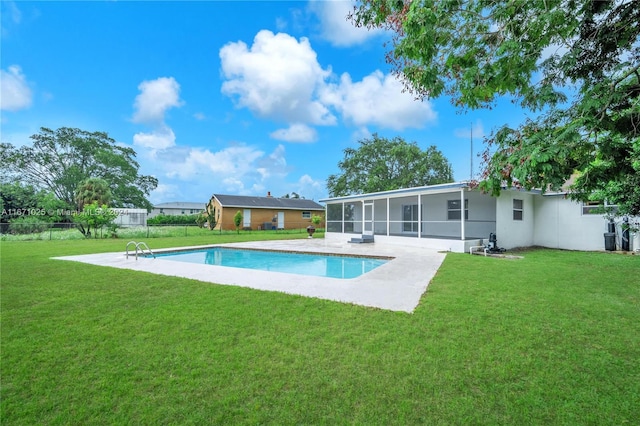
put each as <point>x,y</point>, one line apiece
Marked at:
<point>176,208</point>
<point>457,216</point>
<point>263,212</point>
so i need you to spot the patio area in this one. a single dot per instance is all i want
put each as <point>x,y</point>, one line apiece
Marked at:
<point>397,285</point>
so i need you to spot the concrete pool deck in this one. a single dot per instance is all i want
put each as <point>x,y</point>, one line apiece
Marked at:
<point>397,285</point>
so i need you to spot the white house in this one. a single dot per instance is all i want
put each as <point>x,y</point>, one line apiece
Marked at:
<point>177,208</point>
<point>432,216</point>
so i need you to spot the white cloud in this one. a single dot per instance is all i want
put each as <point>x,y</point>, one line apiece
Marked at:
<point>160,138</point>
<point>279,78</point>
<point>164,192</point>
<point>281,24</point>
<point>477,129</point>
<point>151,105</point>
<point>276,78</point>
<point>295,133</point>
<point>237,169</point>
<point>199,116</point>
<point>234,161</point>
<point>379,100</point>
<point>15,13</point>
<point>15,93</point>
<point>311,188</point>
<point>155,98</point>
<point>336,28</point>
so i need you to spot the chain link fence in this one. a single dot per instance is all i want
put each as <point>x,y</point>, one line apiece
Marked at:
<point>69,231</point>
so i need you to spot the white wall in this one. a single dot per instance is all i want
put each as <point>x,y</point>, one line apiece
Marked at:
<point>560,224</point>
<point>514,233</point>
<point>130,217</point>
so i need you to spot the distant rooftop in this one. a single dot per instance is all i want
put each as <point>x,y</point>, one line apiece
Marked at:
<point>267,202</point>
<point>180,205</point>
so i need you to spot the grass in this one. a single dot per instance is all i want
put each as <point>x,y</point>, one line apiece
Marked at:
<point>553,338</point>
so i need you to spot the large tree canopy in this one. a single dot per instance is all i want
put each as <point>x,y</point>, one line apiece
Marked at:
<point>380,164</point>
<point>60,160</point>
<point>574,62</point>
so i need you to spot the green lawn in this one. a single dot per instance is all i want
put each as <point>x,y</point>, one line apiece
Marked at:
<point>553,338</point>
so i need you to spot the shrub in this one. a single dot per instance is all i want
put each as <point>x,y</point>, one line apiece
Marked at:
<point>165,219</point>
<point>27,225</point>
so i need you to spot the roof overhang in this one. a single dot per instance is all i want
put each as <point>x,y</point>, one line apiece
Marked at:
<point>403,192</point>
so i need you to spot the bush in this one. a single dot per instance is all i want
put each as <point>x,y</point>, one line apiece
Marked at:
<point>27,225</point>
<point>164,219</point>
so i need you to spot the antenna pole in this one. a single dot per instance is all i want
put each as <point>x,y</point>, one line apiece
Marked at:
<point>471,156</point>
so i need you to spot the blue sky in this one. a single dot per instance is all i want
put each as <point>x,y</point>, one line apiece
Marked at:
<point>220,97</point>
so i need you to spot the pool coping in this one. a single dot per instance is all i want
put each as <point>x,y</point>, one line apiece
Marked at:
<point>397,285</point>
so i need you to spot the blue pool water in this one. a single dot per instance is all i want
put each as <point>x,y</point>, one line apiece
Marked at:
<point>292,263</point>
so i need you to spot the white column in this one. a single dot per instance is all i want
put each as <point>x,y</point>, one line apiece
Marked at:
<point>388,223</point>
<point>419,215</point>
<point>342,221</point>
<point>462,214</point>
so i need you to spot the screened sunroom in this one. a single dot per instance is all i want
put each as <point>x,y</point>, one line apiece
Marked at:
<point>449,216</point>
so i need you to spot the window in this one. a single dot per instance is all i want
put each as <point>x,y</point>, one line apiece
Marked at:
<point>410,218</point>
<point>517,209</point>
<point>306,215</point>
<point>453,210</point>
<point>592,207</point>
<point>598,207</point>
<point>161,211</point>
<point>182,211</point>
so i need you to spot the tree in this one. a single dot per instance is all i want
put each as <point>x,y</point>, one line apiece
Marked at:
<point>237,220</point>
<point>93,216</point>
<point>60,159</point>
<point>93,190</point>
<point>575,63</point>
<point>293,195</point>
<point>17,201</point>
<point>380,164</point>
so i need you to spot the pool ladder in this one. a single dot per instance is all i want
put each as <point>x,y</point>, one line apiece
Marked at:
<point>141,247</point>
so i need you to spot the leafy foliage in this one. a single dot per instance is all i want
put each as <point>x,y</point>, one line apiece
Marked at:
<point>17,200</point>
<point>93,190</point>
<point>209,216</point>
<point>237,220</point>
<point>574,62</point>
<point>93,217</point>
<point>61,158</point>
<point>173,219</point>
<point>27,225</point>
<point>380,164</point>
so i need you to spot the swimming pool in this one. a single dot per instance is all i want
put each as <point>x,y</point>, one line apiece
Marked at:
<point>319,265</point>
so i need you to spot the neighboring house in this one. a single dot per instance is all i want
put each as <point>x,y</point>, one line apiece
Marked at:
<point>432,216</point>
<point>264,212</point>
<point>176,208</point>
<point>130,217</point>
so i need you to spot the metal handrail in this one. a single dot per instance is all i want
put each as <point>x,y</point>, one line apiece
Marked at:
<point>141,247</point>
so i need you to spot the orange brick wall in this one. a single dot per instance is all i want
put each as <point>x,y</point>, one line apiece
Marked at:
<point>292,218</point>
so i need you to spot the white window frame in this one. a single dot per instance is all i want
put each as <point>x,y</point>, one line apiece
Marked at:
<point>451,210</point>
<point>306,215</point>
<point>518,210</point>
<point>412,222</point>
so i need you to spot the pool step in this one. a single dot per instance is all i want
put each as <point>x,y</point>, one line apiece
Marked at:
<point>362,240</point>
